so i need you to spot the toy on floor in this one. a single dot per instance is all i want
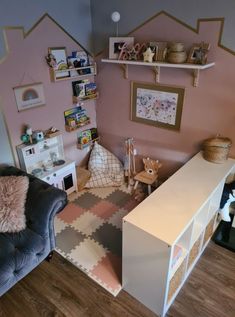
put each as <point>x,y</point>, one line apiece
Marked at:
<point>149,175</point>
<point>228,197</point>
<point>129,162</point>
<point>139,193</point>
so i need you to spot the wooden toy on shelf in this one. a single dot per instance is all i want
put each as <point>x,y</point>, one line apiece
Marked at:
<point>150,173</point>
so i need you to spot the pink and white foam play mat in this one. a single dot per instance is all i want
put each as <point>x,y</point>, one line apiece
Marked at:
<point>89,233</point>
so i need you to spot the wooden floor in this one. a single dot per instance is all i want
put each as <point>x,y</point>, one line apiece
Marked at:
<point>60,289</point>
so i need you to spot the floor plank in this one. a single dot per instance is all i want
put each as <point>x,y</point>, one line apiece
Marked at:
<point>59,289</point>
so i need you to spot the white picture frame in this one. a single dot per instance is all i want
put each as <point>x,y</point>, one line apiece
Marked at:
<point>60,56</point>
<point>29,96</point>
<point>115,44</point>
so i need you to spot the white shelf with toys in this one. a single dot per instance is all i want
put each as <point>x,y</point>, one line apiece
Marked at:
<point>63,67</point>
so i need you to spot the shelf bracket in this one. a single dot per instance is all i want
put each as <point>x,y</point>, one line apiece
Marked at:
<point>196,77</point>
<point>156,70</point>
<point>124,67</point>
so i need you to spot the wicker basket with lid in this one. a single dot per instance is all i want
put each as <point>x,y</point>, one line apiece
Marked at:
<point>216,149</point>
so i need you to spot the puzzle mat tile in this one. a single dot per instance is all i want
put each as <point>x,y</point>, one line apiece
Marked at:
<point>88,233</point>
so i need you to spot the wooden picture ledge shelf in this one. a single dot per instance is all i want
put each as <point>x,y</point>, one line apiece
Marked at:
<point>156,66</point>
<point>78,125</point>
<point>54,72</point>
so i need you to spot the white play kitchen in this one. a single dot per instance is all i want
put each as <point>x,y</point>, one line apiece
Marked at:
<point>45,159</point>
<point>165,235</point>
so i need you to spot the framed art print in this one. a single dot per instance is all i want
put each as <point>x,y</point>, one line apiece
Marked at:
<point>29,96</point>
<point>157,105</point>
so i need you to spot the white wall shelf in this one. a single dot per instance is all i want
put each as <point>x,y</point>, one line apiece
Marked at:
<point>156,66</point>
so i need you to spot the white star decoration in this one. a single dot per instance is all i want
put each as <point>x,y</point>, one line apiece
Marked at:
<point>148,55</point>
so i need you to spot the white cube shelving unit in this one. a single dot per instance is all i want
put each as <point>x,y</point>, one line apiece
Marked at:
<point>164,236</point>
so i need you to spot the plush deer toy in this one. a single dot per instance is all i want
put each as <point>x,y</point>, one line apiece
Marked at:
<point>149,175</point>
<point>151,166</point>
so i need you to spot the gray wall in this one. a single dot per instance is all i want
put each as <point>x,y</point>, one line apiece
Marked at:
<point>135,12</point>
<point>89,22</point>
<point>73,15</point>
<point>5,149</point>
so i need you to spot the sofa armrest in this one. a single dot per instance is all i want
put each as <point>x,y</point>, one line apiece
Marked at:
<point>42,203</point>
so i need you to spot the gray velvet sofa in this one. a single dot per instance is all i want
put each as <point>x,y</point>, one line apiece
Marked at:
<point>21,252</point>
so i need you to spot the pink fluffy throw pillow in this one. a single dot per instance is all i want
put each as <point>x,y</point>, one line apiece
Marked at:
<point>13,192</point>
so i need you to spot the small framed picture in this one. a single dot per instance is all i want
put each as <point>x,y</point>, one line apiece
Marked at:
<point>60,56</point>
<point>198,53</point>
<point>29,96</point>
<point>116,43</point>
<point>161,50</point>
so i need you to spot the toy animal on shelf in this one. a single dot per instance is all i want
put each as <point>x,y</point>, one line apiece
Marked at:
<point>227,198</point>
<point>51,60</point>
<point>150,174</point>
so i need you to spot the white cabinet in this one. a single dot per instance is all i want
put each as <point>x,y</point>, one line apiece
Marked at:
<point>46,160</point>
<point>164,236</point>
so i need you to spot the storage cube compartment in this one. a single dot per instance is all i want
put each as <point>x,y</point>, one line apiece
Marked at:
<point>217,220</point>
<point>180,250</point>
<point>194,252</point>
<point>215,200</point>
<point>176,280</point>
<point>209,230</point>
<point>199,222</point>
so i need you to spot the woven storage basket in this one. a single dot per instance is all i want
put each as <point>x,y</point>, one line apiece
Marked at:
<point>177,57</point>
<point>176,47</point>
<point>216,150</point>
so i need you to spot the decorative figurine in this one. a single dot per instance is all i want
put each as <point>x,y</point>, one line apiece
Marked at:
<point>29,132</point>
<point>148,55</point>
<point>51,61</point>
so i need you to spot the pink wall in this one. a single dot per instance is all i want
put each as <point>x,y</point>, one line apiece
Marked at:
<point>207,110</point>
<point>26,64</point>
